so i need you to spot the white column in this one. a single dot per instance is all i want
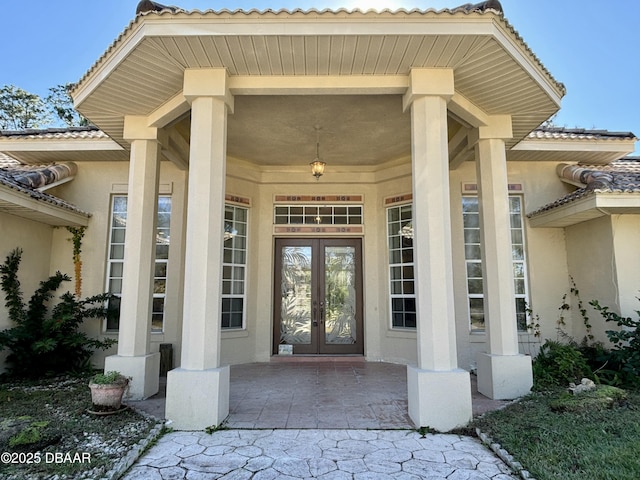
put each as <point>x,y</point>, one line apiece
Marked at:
<point>198,391</point>
<point>439,393</point>
<point>502,372</point>
<point>134,358</point>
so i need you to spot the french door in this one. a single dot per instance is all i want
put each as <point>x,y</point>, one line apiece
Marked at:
<point>318,296</point>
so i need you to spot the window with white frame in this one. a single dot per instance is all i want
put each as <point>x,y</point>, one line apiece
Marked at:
<point>473,260</point>
<point>115,264</point>
<point>401,280</point>
<point>234,266</point>
<point>317,215</point>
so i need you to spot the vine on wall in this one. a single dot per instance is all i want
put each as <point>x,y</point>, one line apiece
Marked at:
<point>77,234</point>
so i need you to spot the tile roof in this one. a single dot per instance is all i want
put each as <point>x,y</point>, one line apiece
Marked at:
<point>578,134</point>
<point>7,161</point>
<point>54,133</point>
<point>622,176</point>
<point>11,177</point>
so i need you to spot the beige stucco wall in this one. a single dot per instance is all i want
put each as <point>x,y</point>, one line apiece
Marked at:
<point>35,241</point>
<point>626,235</point>
<point>549,262</point>
<point>604,263</point>
<point>592,266</point>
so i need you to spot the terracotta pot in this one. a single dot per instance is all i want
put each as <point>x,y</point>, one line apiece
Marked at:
<point>107,395</point>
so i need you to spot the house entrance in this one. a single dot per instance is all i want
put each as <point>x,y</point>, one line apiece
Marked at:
<point>318,296</point>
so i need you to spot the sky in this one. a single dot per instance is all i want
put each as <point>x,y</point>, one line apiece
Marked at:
<point>592,47</point>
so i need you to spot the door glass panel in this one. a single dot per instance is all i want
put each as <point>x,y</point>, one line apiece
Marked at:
<point>295,317</point>
<point>340,295</point>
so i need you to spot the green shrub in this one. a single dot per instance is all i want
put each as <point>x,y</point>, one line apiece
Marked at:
<point>624,357</point>
<point>559,364</point>
<point>43,343</point>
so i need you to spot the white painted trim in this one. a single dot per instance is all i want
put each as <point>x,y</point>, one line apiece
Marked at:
<point>53,145</point>
<point>319,85</point>
<point>169,111</point>
<point>462,107</point>
<point>624,146</point>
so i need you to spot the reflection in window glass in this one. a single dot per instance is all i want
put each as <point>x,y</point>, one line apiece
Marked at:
<point>234,266</point>
<point>115,264</point>
<point>400,244</point>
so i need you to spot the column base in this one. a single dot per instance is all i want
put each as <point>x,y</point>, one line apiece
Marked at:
<point>504,377</point>
<point>197,399</point>
<point>144,371</point>
<point>439,400</point>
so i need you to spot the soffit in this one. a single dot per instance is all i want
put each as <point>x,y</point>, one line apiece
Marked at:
<point>144,68</point>
<point>73,144</point>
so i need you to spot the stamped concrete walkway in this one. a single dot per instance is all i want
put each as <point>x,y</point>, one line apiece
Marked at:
<point>322,454</point>
<point>317,419</point>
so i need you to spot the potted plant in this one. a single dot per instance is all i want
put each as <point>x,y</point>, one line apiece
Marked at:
<point>107,390</point>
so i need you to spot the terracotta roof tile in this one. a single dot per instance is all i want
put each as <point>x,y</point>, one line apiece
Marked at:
<point>625,178</point>
<point>9,178</point>
<point>7,161</point>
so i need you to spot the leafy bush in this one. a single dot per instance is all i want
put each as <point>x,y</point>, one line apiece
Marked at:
<point>41,343</point>
<point>559,364</point>
<point>624,357</point>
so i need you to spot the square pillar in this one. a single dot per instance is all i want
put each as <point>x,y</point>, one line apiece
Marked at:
<point>198,391</point>
<point>134,358</point>
<point>439,393</point>
<point>503,373</point>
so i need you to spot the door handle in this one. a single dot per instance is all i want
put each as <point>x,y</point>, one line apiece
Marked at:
<point>322,311</point>
<point>314,318</point>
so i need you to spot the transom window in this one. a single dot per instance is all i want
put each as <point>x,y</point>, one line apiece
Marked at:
<point>473,261</point>
<point>318,214</point>
<point>401,276</point>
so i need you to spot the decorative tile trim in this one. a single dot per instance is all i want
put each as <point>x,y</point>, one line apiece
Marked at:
<point>123,188</point>
<point>398,199</point>
<point>328,230</point>
<point>237,200</point>
<point>349,198</point>
<point>469,187</point>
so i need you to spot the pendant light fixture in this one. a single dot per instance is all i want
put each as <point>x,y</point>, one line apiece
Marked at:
<point>317,166</point>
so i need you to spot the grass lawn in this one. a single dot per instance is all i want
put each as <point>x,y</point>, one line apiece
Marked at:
<point>47,424</point>
<point>556,439</point>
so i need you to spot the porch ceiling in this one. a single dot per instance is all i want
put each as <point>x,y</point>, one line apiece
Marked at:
<point>493,68</point>
<point>355,130</point>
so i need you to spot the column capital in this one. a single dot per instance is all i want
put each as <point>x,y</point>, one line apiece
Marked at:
<point>208,82</point>
<point>136,127</point>
<point>498,128</point>
<point>429,82</point>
